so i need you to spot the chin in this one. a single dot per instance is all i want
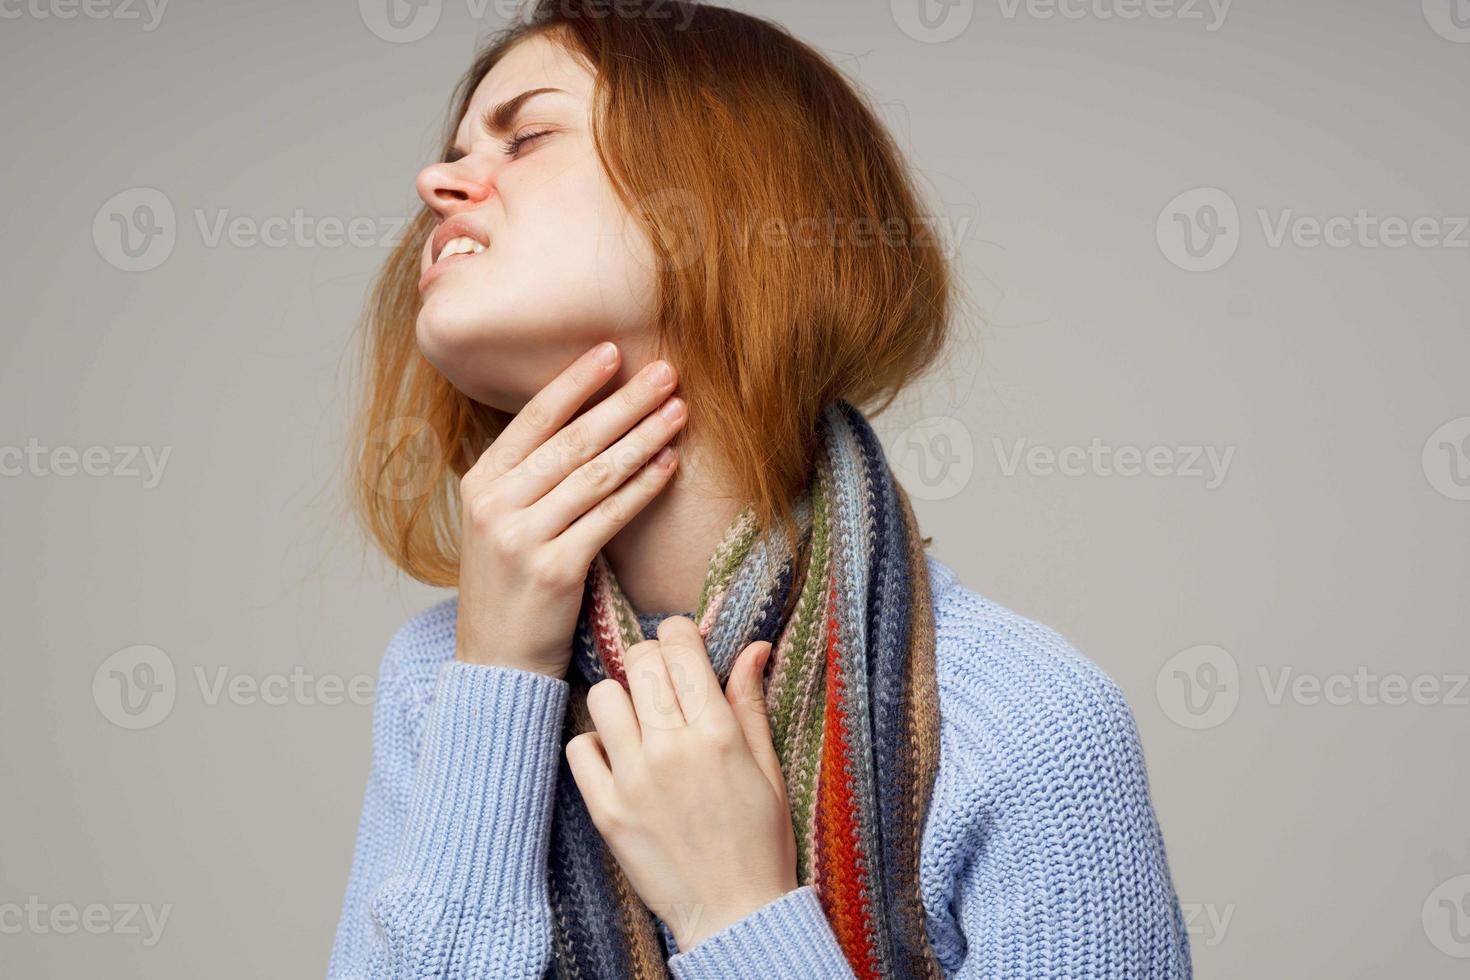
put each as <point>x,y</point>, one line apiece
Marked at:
<point>496,359</point>
<point>452,343</point>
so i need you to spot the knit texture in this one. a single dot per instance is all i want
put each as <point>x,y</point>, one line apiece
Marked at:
<point>849,693</point>
<point>1040,854</point>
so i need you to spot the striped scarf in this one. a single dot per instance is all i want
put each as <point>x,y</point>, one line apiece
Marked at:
<point>851,695</point>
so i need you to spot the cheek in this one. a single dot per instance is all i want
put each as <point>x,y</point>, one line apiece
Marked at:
<point>580,241</point>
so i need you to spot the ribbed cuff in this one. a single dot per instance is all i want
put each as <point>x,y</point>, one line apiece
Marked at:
<point>480,816</point>
<point>788,937</point>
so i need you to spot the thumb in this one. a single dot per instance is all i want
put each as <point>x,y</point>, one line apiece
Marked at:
<point>747,697</point>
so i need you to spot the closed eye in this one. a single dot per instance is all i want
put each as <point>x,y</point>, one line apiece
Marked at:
<point>511,146</point>
<point>514,144</point>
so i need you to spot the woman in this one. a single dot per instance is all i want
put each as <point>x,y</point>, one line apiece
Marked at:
<point>737,723</point>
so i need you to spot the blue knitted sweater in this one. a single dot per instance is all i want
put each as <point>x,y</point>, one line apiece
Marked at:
<point>1041,856</point>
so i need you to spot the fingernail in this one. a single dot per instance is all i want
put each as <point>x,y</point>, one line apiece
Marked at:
<point>606,352</point>
<point>673,409</point>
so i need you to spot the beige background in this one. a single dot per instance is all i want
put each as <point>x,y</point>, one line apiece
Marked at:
<point>1308,839</point>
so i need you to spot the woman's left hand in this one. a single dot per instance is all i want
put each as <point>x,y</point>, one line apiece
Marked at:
<point>682,781</point>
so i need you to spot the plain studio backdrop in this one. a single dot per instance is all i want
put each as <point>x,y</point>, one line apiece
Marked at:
<point>1210,420</point>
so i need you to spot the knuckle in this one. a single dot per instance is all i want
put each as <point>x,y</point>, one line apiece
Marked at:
<point>577,441</point>
<point>598,473</point>
<point>537,414</point>
<point>614,510</point>
<point>716,738</point>
<point>612,818</point>
<point>508,536</point>
<point>547,572</point>
<point>662,754</point>
<point>633,397</point>
<point>480,511</point>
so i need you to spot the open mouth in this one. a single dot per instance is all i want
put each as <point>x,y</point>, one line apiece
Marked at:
<point>455,241</point>
<point>461,245</point>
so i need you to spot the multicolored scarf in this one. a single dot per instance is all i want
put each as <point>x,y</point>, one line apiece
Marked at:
<point>850,690</point>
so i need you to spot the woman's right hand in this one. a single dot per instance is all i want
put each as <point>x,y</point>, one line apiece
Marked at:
<point>545,497</point>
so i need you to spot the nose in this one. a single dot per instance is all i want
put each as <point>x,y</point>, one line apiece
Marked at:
<point>452,187</point>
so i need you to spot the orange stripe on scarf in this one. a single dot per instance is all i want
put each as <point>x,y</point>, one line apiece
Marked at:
<point>839,845</point>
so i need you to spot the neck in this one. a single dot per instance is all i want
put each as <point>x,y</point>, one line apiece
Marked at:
<point>660,557</point>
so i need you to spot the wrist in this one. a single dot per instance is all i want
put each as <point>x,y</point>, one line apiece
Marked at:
<point>716,918</point>
<point>485,659</point>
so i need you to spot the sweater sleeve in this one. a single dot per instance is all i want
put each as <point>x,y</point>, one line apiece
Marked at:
<point>787,937</point>
<point>449,873</point>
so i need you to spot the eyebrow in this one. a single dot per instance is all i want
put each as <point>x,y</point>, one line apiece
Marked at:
<point>498,118</point>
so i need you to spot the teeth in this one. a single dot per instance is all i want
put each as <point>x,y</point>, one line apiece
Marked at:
<point>460,246</point>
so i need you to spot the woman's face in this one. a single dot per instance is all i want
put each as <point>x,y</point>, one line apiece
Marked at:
<point>542,261</point>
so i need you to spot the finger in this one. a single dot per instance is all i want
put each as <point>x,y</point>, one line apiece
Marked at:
<point>589,434</point>
<point>652,693</point>
<point>544,415</point>
<point>616,723</point>
<point>596,479</point>
<point>693,677</point>
<point>746,694</point>
<point>587,758</point>
<point>588,533</point>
